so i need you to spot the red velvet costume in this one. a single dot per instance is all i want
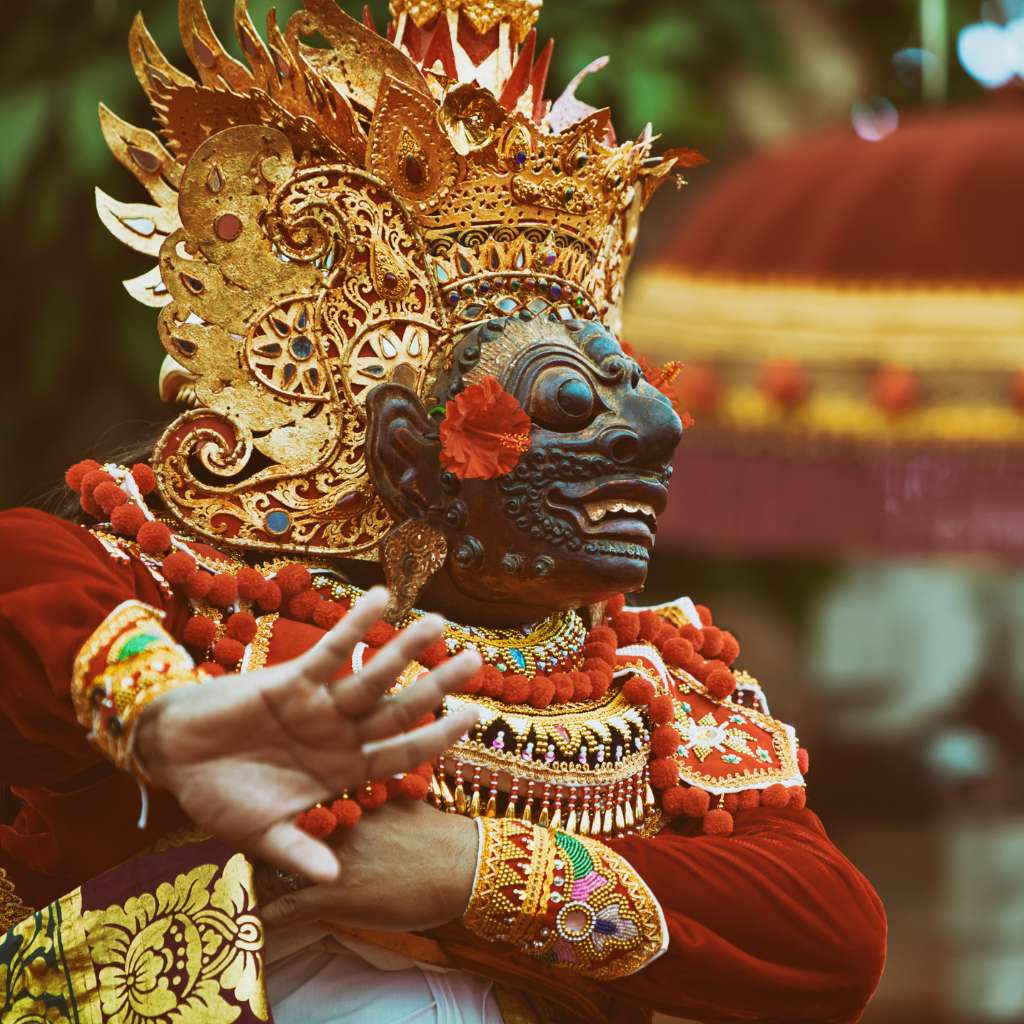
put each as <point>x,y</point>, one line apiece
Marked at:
<point>769,924</point>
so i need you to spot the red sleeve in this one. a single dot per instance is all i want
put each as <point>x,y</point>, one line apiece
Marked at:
<point>57,584</point>
<point>771,924</point>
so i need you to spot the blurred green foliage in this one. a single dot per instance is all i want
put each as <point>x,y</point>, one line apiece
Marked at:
<point>82,358</point>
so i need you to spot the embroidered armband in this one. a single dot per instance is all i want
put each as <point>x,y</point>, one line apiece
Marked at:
<point>129,661</point>
<point>569,901</point>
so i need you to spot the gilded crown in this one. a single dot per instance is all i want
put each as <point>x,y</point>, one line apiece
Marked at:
<point>329,218</point>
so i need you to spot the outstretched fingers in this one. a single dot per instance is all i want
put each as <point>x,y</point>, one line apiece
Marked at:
<point>322,662</point>
<point>401,712</point>
<point>358,694</point>
<point>285,846</point>
<point>403,753</point>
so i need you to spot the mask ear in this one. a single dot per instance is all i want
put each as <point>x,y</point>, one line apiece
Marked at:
<point>403,453</point>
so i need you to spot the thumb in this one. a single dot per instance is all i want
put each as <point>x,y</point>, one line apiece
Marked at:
<point>294,908</point>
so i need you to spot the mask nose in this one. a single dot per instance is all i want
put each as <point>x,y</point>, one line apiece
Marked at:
<point>650,433</point>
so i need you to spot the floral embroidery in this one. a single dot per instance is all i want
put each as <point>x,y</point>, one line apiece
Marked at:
<point>178,954</point>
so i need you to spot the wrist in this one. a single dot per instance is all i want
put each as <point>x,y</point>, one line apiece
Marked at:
<point>459,866</point>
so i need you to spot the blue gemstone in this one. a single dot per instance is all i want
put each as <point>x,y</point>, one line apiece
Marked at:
<point>517,656</point>
<point>278,522</point>
<point>521,158</point>
<point>302,347</point>
<point>453,298</point>
<point>605,927</point>
<point>556,291</point>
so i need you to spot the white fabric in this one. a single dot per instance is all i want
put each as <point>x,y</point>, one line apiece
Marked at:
<point>313,978</point>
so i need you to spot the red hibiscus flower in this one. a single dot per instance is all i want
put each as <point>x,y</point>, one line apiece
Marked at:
<point>484,433</point>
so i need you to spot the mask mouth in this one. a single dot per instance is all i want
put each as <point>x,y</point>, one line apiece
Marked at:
<point>619,512</point>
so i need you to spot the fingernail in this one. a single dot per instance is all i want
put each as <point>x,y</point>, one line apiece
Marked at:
<point>434,621</point>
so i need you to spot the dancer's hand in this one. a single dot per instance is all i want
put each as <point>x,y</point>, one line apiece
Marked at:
<point>244,754</point>
<point>405,867</point>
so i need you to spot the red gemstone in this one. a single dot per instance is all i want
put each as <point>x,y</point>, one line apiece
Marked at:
<point>228,227</point>
<point>390,280</point>
<point>414,171</point>
<point>347,502</point>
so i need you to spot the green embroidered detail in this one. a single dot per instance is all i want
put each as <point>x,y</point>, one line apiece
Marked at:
<point>438,409</point>
<point>577,853</point>
<point>136,645</point>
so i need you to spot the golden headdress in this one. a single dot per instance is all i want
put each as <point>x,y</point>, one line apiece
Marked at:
<point>333,216</point>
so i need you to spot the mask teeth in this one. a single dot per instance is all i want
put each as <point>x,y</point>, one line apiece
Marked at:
<point>492,796</point>
<point>460,790</point>
<point>584,829</point>
<point>571,821</point>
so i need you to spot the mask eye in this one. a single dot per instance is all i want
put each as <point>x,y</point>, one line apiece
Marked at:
<point>562,399</point>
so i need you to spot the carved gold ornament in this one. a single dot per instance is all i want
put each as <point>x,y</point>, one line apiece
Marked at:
<point>329,218</point>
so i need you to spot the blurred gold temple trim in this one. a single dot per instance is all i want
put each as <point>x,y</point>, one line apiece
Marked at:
<point>483,15</point>
<point>672,316</point>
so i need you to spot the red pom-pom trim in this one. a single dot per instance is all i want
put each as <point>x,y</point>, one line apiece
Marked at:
<point>650,624</point>
<point>615,604</point>
<point>198,585</point>
<point>302,606</point>
<point>492,682</point>
<point>380,633</point>
<point>242,627</point>
<point>517,689</point>
<point>144,477</point>
<point>327,614</point>
<point>563,685</point>
<point>712,642</point>
<point>228,652</point>
<point>677,651</point>
<point>603,651</point>
<point>542,692</point>
<point>154,538</point>
<point>293,579</point>
<point>127,520</point>
<point>749,799</point>
<point>318,822</point>
<point>250,584</point>
<point>200,632</point>
<point>269,599</point>
<point>372,796</point>
<point>685,800</point>
<point>664,773</point>
<point>76,473</point>
<point>178,567</point>
<point>603,635</point>
<point>704,613</point>
<point>108,496</point>
<point>730,648</point>
<point>720,683</point>
<point>665,741</point>
<point>582,688</point>
<point>718,823</point>
<point>803,760</point>
<point>627,628</point>
<point>798,797</point>
<point>434,655</point>
<point>600,684</point>
<point>412,787</point>
<point>694,635</point>
<point>776,796</point>
<point>346,813</point>
<point>661,710</point>
<point>223,591</point>
<point>211,668</point>
<point>638,691</point>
